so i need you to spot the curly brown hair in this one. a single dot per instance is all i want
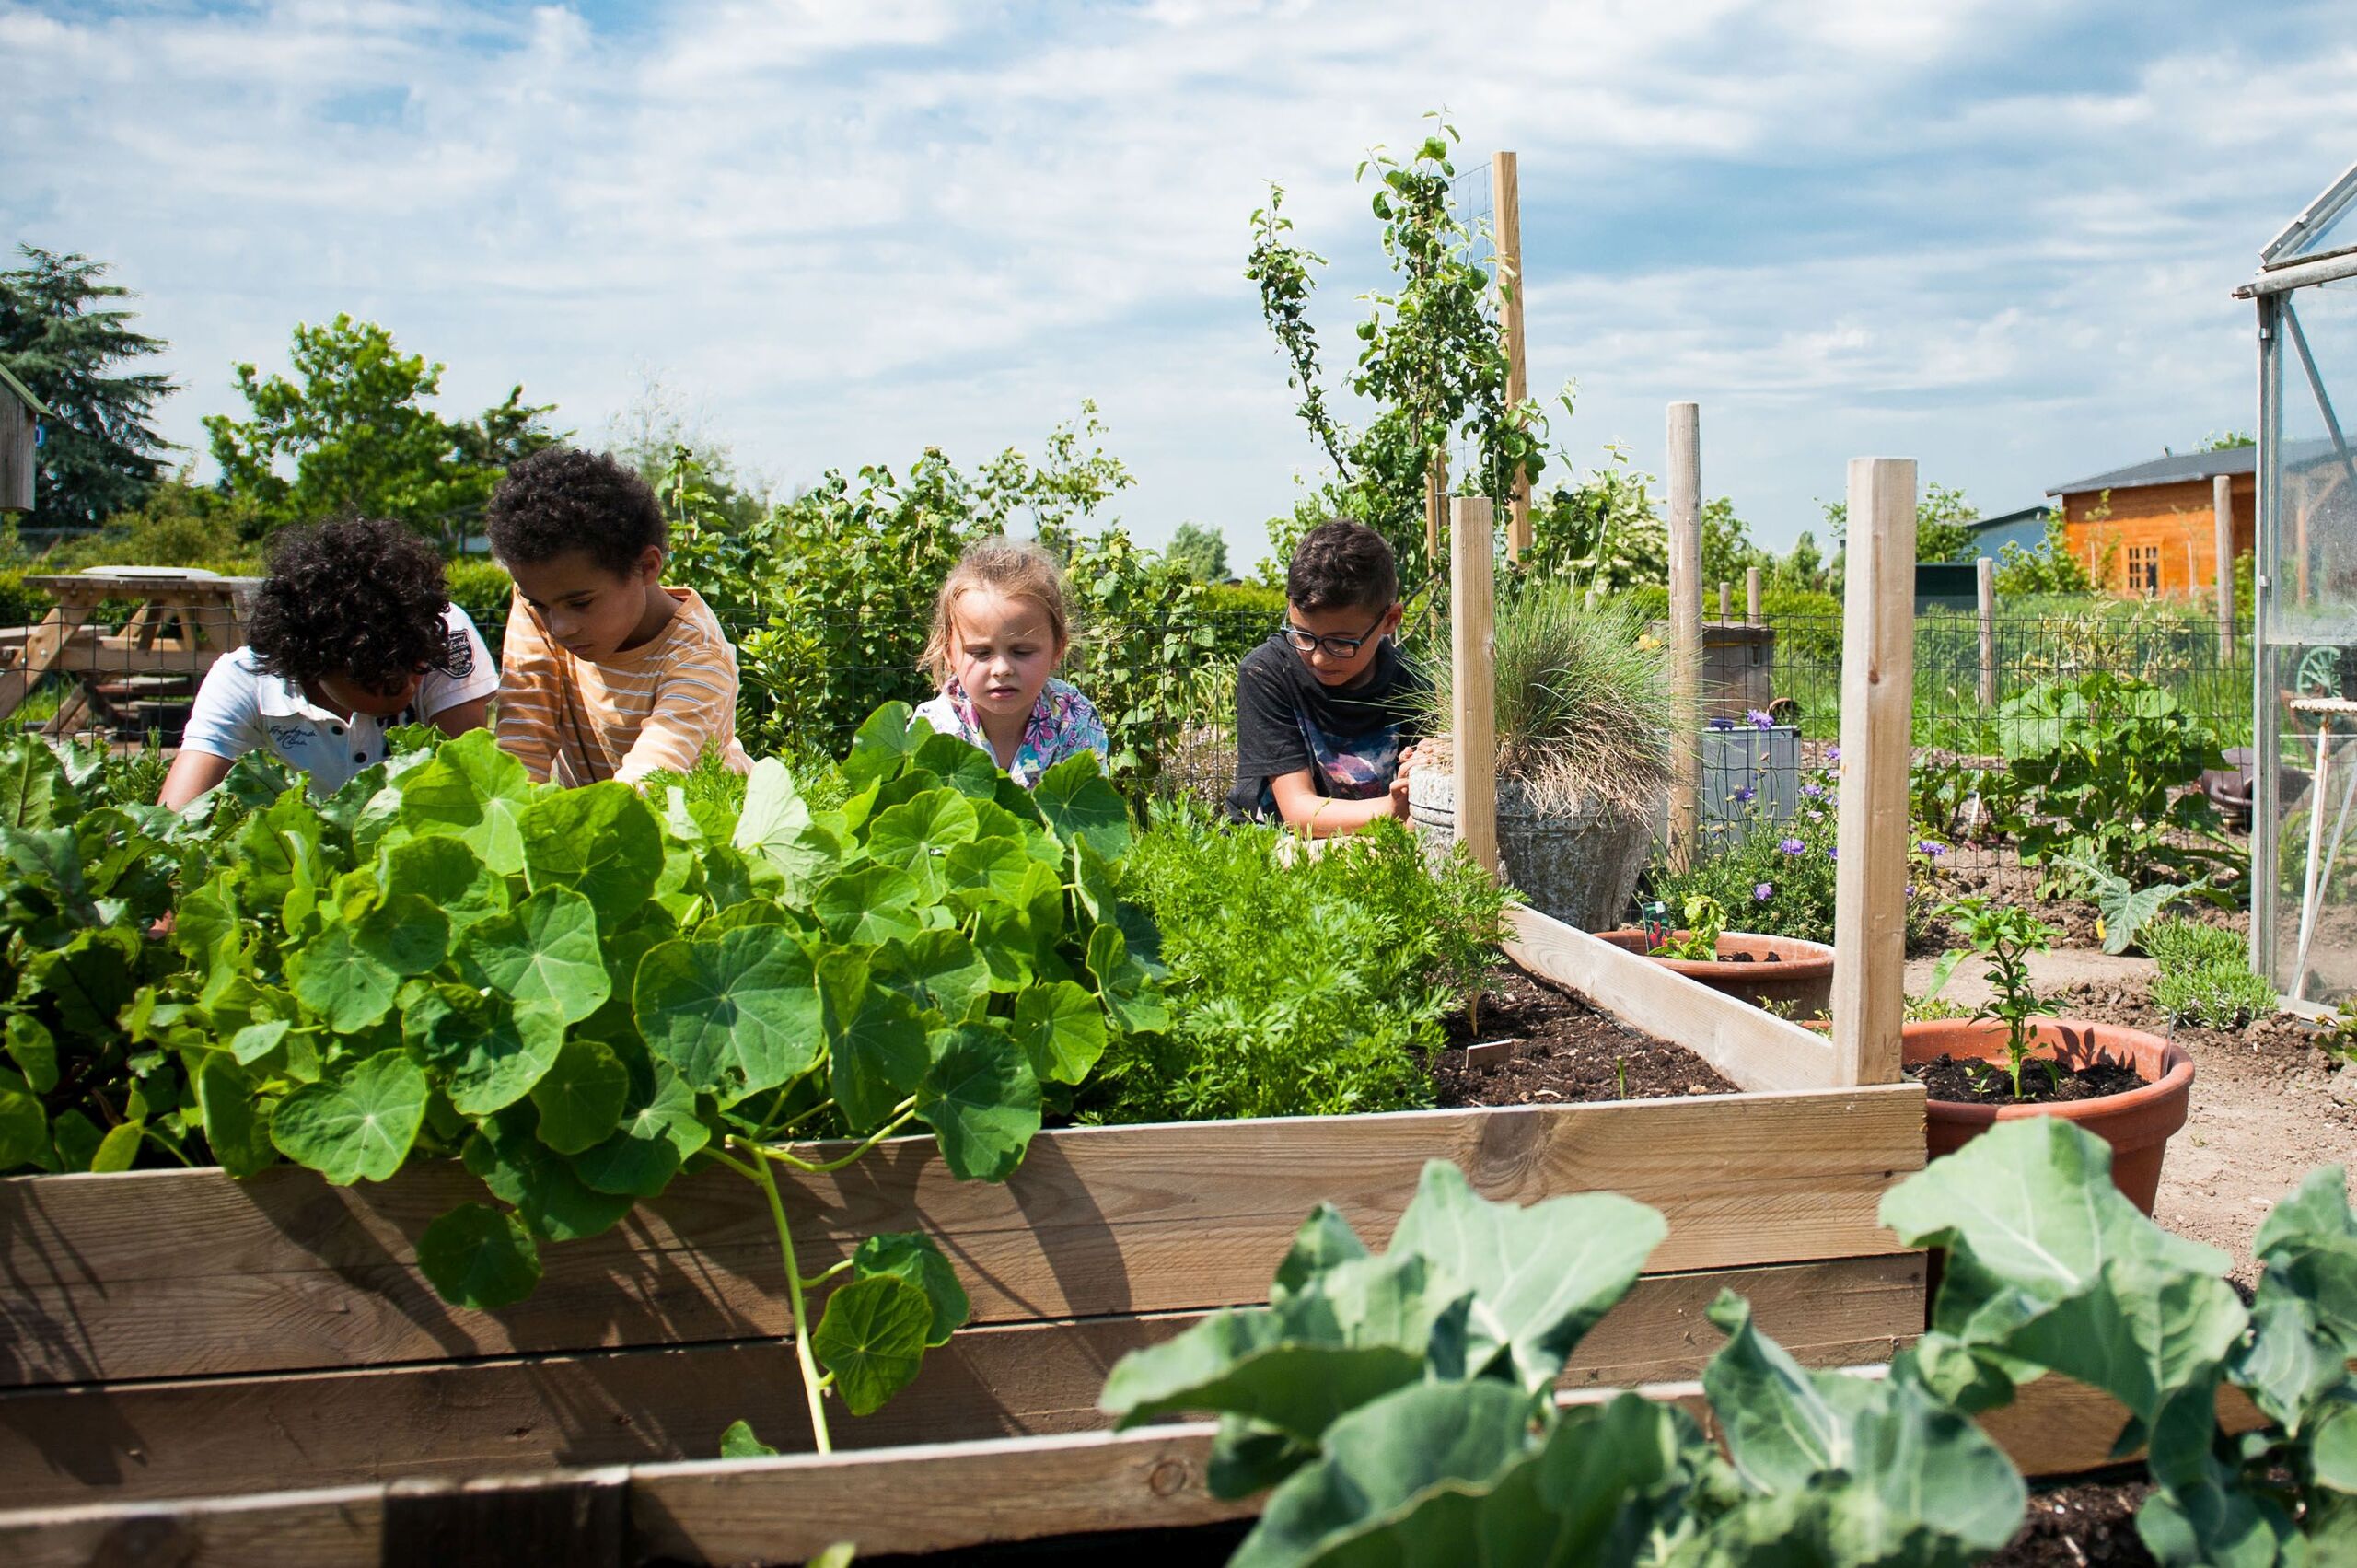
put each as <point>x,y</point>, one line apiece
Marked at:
<point>361,598</point>
<point>1341,564</point>
<point>562,499</point>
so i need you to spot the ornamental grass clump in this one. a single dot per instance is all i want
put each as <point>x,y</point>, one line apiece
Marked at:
<point>1584,711</point>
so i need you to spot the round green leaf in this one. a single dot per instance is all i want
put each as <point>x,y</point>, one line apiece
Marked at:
<point>580,1097</point>
<point>872,1338</point>
<point>914,1258</point>
<point>350,974</point>
<point>494,1051</point>
<point>659,1128</point>
<point>1061,1031</point>
<point>480,1257</point>
<point>546,950</point>
<point>870,905</point>
<point>358,1123</point>
<point>475,790</point>
<point>932,824</point>
<point>520,1169</point>
<point>734,1014</point>
<point>941,968</point>
<point>1079,805</point>
<point>982,1101</point>
<point>739,1443</point>
<point>876,1040</point>
<point>602,840</point>
<point>447,872</point>
<point>24,1130</point>
<point>237,1128</point>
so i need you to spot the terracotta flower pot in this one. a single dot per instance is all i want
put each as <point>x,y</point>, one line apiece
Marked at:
<point>1771,969</point>
<point>2136,1124</point>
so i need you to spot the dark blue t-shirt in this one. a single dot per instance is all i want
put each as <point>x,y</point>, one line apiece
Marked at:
<point>1349,738</point>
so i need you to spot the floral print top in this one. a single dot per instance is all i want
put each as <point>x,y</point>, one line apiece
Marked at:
<point>1063,724</point>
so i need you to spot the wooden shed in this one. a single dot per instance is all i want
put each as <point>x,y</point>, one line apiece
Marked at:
<point>2151,529</point>
<point>21,417</point>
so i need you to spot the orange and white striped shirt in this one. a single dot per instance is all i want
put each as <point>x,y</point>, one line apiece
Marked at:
<point>654,707</point>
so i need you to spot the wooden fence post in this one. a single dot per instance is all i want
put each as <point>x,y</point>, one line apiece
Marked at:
<point>1473,717</point>
<point>1686,627</point>
<point>1752,596</point>
<point>1878,708</point>
<point>1505,201</point>
<point>1987,575</point>
<point>1727,602</point>
<point>2221,502</point>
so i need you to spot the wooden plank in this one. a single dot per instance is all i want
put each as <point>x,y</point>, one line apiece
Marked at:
<point>1506,201</point>
<point>342,1528</point>
<point>1751,596</point>
<point>1877,715</point>
<point>40,655</point>
<point>1472,644</point>
<point>1685,524</point>
<point>579,1518</point>
<point>185,1437</point>
<point>178,1273</point>
<point>1756,1050</point>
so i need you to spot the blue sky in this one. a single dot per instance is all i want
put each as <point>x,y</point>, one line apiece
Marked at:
<point>1999,238</point>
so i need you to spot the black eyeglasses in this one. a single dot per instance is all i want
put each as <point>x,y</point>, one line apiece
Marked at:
<point>1336,647</point>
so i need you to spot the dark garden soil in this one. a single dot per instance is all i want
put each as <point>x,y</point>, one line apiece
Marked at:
<point>1567,1052</point>
<point>2082,1525</point>
<point>1975,1082</point>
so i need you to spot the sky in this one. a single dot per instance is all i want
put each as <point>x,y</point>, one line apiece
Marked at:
<point>1999,238</point>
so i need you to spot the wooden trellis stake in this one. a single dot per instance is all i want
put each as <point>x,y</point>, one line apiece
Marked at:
<point>1987,595</point>
<point>1473,718</point>
<point>1686,626</point>
<point>1506,201</point>
<point>1877,709</point>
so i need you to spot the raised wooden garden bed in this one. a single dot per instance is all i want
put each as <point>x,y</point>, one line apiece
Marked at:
<point>180,1334</point>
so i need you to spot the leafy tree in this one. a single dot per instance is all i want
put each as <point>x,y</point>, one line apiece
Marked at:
<point>1801,568</point>
<point>2052,568</point>
<point>2227,441</point>
<point>1201,551</point>
<point>64,338</point>
<point>354,426</point>
<point>1602,528</point>
<point>1727,550</point>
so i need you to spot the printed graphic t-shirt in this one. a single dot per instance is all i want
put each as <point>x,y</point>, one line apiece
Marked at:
<point>241,708</point>
<point>1063,724</point>
<point>1349,738</point>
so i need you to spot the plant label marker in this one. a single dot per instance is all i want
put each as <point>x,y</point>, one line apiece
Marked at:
<point>1878,710</point>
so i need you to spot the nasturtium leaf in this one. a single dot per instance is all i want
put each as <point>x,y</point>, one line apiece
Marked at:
<point>1092,882</point>
<point>24,1129</point>
<point>356,1123</point>
<point>1061,1031</point>
<point>871,904</point>
<point>75,1138</point>
<point>34,1051</point>
<point>877,1051</point>
<point>236,1126</point>
<point>541,1184</point>
<point>33,791</point>
<point>350,974</point>
<point>734,1014</point>
<point>659,1128</point>
<point>775,823</point>
<point>545,950</point>
<point>492,1051</point>
<point>912,1256</point>
<point>265,848</point>
<point>601,841</point>
<point>89,979</point>
<point>623,949</point>
<point>738,1443</point>
<point>988,869</point>
<point>941,968</point>
<point>981,1100</point>
<point>1542,1275</point>
<point>883,745</point>
<point>205,919</point>
<point>580,1097</point>
<point>960,765</point>
<point>872,1337</point>
<point>927,827</point>
<point>448,874</point>
<point>119,1148</point>
<point>473,789</point>
<point>255,1041</point>
<point>480,1257</point>
<point>1014,799</point>
<point>1079,805</point>
<point>1130,996</point>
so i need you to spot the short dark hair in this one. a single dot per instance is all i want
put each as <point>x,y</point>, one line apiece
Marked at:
<point>359,599</point>
<point>561,498</point>
<point>1341,564</point>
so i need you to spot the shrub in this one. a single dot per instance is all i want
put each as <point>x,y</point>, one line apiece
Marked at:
<point>1299,984</point>
<point>2176,944</point>
<point>2213,997</point>
<point>482,588</point>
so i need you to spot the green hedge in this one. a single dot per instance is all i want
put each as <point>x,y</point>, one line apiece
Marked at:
<point>481,589</point>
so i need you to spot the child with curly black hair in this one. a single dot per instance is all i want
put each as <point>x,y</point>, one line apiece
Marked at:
<point>605,673</point>
<point>352,633</point>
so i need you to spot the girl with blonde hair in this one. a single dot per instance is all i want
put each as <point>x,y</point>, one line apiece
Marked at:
<point>1000,629</point>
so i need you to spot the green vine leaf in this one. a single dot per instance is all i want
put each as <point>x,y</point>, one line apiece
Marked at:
<point>735,1014</point>
<point>480,1257</point>
<point>914,1258</point>
<point>873,1338</point>
<point>981,1100</point>
<point>544,950</point>
<point>357,1124</point>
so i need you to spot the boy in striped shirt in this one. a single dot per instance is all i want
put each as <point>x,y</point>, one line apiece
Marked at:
<point>605,673</point>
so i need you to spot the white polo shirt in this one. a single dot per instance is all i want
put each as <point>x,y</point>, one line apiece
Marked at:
<point>240,709</point>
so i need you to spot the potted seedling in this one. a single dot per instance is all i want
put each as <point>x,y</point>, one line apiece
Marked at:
<point>1783,974</point>
<point>2011,1060</point>
<point>1584,722</point>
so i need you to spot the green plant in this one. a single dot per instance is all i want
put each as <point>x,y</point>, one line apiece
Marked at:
<point>2213,997</point>
<point>580,993</point>
<point>1584,711</point>
<point>2122,909</point>
<point>2005,936</point>
<point>65,334</point>
<point>2049,1268</point>
<point>2177,943</point>
<point>1299,984</point>
<point>1705,921</point>
<point>1401,1406</point>
<point>2052,568</point>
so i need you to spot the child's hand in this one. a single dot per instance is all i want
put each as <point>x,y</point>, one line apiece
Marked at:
<point>1407,763</point>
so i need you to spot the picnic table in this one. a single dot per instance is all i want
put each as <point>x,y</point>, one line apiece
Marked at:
<point>182,621</point>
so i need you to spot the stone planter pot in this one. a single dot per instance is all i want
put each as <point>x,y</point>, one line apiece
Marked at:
<point>2136,1124</point>
<point>1580,866</point>
<point>1754,968</point>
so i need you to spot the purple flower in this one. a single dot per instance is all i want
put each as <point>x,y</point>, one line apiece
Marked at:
<point>1833,753</point>
<point>1814,792</point>
<point>1746,795</point>
<point>1932,849</point>
<point>1759,718</point>
<point>1762,892</point>
<point>1793,846</point>
<point>1833,855</point>
<point>1816,816</point>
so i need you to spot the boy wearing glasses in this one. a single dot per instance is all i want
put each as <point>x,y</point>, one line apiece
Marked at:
<point>352,633</point>
<point>1325,709</point>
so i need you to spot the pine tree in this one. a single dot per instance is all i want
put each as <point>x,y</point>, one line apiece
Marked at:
<point>61,335</point>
